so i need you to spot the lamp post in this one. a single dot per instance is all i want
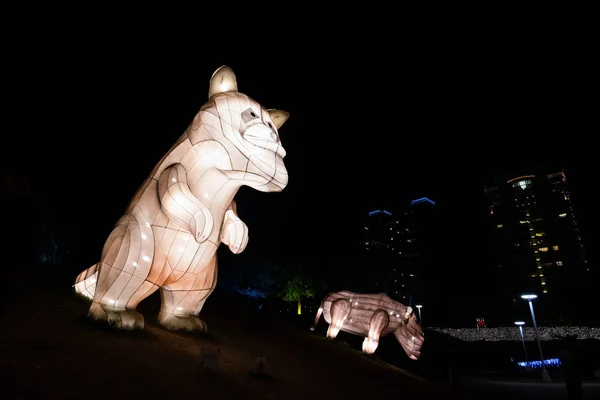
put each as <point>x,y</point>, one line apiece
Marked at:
<point>529,297</point>
<point>419,306</point>
<point>520,325</point>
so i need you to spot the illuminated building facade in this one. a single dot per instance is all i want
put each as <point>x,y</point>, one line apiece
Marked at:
<point>538,247</point>
<point>394,250</point>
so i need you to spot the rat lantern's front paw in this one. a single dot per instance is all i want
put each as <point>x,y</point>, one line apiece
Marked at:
<point>236,236</point>
<point>202,225</point>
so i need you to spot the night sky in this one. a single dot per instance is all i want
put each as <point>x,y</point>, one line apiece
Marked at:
<point>373,125</point>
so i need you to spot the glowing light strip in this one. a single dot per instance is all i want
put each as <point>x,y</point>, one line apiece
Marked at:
<point>512,333</point>
<point>421,200</point>
<point>520,177</point>
<point>379,212</point>
<point>552,362</point>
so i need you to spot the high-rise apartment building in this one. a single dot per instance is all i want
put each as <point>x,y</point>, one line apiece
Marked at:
<point>394,250</point>
<point>537,242</point>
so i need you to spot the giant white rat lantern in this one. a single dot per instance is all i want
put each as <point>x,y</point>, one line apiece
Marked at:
<point>168,237</point>
<point>371,316</point>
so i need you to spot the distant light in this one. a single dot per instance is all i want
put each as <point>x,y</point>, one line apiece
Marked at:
<point>418,305</point>
<point>421,200</point>
<point>552,362</point>
<point>529,296</point>
<point>519,323</point>
<point>379,212</point>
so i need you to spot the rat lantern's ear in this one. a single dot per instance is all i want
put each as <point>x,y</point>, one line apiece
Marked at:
<point>222,80</point>
<point>278,117</point>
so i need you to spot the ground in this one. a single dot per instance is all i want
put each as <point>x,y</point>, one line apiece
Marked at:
<point>50,349</point>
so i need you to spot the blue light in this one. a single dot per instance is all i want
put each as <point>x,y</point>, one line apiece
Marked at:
<point>254,293</point>
<point>551,362</point>
<point>379,212</point>
<point>421,200</point>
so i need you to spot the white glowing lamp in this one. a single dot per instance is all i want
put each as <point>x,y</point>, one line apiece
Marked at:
<point>529,296</point>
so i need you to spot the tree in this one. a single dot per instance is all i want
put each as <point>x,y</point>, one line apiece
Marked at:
<point>257,286</point>
<point>297,289</point>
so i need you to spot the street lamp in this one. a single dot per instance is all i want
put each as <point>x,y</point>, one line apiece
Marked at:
<point>529,297</point>
<point>520,325</point>
<point>419,306</point>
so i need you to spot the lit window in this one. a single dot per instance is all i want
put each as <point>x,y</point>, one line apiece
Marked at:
<point>524,222</point>
<point>559,264</point>
<point>522,184</point>
<point>543,282</point>
<point>554,248</point>
<point>499,226</point>
<point>543,249</point>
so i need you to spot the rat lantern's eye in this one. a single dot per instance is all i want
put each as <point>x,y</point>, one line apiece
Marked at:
<point>248,115</point>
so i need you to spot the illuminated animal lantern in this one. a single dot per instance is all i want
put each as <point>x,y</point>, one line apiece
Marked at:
<point>168,237</point>
<point>371,316</point>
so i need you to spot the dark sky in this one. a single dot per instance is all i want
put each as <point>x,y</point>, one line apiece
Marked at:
<point>374,123</point>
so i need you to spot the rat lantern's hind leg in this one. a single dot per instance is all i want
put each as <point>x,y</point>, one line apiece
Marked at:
<point>125,264</point>
<point>379,321</point>
<point>340,309</point>
<point>183,300</point>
